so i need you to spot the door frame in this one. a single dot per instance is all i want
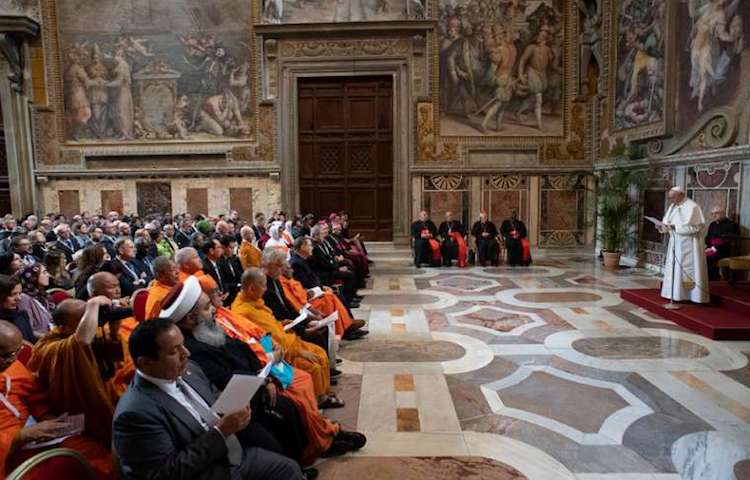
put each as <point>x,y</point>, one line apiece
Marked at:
<point>402,120</point>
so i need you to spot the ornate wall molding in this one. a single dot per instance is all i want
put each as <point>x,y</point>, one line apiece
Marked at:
<point>428,149</point>
<point>715,129</point>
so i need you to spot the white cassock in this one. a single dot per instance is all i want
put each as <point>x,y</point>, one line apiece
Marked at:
<point>691,272</point>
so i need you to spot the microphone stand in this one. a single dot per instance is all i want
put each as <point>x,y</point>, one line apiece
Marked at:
<point>671,305</point>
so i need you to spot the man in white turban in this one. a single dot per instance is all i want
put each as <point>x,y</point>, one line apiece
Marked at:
<point>685,223</point>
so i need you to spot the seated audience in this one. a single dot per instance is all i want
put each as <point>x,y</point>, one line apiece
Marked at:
<point>131,278</point>
<point>164,428</point>
<point>453,237</point>
<point>324,263</point>
<point>426,247</point>
<point>56,264</point>
<point>10,264</point>
<point>91,261</point>
<point>35,300</point>
<point>30,417</point>
<point>144,259</point>
<point>230,267</point>
<point>10,297</point>
<point>190,263</point>
<point>66,243</point>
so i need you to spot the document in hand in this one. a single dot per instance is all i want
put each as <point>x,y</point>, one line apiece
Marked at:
<point>237,393</point>
<point>657,223</point>
<point>76,425</point>
<point>330,319</point>
<point>301,318</point>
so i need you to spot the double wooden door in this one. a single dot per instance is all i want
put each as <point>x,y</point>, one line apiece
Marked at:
<point>346,151</point>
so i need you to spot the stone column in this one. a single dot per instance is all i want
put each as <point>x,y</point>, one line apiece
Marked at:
<point>15,29</point>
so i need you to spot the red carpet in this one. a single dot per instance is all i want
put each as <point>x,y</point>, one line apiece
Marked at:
<point>727,317</point>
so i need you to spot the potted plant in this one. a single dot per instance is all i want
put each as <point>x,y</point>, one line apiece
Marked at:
<point>618,206</point>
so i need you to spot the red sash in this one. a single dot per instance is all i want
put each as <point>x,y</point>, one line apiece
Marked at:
<point>526,249</point>
<point>462,251</point>
<point>434,245</point>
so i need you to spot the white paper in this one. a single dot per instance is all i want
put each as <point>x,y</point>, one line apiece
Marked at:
<point>657,223</point>
<point>331,344</point>
<point>76,427</point>
<point>317,292</point>
<point>237,393</point>
<point>267,369</point>
<point>301,318</point>
<point>329,320</point>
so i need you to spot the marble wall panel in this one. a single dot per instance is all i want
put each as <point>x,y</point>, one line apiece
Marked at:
<point>112,201</point>
<point>196,200</point>
<point>438,203</point>
<point>241,199</point>
<point>70,202</point>
<point>559,210</point>
<point>499,204</point>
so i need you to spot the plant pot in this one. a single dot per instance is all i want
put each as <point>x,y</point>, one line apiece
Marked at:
<point>612,260</point>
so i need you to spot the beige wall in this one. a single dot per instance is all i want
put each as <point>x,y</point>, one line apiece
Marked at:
<point>266,192</point>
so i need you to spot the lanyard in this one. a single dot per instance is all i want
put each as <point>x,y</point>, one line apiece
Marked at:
<point>6,402</point>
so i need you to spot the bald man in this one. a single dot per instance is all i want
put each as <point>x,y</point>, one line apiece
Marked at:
<point>190,263</point>
<point>166,276</point>
<point>67,366</point>
<point>25,398</point>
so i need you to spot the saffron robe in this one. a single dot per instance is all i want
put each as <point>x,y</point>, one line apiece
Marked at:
<point>326,304</point>
<point>28,398</point>
<point>257,312</point>
<point>250,255</point>
<point>207,282</point>
<point>68,371</point>
<point>156,294</point>
<point>320,430</point>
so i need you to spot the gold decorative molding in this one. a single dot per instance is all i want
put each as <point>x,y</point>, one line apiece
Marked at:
<point>427,148</point>
<point>572,150</point>
<point>344,48</point>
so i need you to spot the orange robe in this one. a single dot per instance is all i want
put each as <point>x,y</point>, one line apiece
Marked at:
<point>207,282</point>
<point>320,430</point>
<point>68,371</point>
<point>326,304</point>
<point>124,375</point>
<point>257,312</point>
<point>249,255</point>
<point>156,294</point>
<point>30,400</point>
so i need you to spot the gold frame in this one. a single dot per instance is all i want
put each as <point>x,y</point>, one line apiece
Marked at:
<point>665,125</point>
<point>51,39</point>
<point>570,69</point>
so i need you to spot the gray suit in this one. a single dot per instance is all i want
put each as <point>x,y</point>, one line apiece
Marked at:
<point>157,438</point>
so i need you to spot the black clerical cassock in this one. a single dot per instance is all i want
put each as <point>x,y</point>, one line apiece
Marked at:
<point>718,245</point>
<point>516,242</point>
<point>426,247</point>
<point>485,234</point>
<point>454,246</point>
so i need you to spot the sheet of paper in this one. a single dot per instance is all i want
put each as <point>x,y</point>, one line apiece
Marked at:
<point>317,292</point>
<point>301,318</point>
<point>657,223</point>
<point>237,393</point>
<point>267,369</point>
<point>76,426</point>
<point>329,320</point>
<point>331,344</point>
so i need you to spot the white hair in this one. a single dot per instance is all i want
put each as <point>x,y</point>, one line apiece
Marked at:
<point>184,255</point>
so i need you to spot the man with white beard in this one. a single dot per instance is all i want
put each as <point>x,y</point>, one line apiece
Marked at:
<point>275,424</point>
<point>687,278</point>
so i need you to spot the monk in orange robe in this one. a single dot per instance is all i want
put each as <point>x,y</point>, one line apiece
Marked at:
<point>166,276</point>
<point>326,304</point>
<point>67,369</point>
<point>320,430</point>
<point>302,355</point>
<point>189,264</point>
<point>22,397</point>
<point>249,254</point>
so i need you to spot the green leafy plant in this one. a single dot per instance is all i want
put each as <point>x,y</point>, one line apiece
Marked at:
<point>619,205</point>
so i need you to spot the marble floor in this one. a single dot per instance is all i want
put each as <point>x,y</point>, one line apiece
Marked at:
<point>538,373</point>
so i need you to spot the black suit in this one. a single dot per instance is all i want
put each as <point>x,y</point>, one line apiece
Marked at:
<point>304,273</point>
<point>183,239</point>
<point>325,265</point>
<point>156,437</point>
<point>209,269</point>
<point>144,268</point>
<point>283,435</point>
<point>230,269</point>
<point>68,248</point>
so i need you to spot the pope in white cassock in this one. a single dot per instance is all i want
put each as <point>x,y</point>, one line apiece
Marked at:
<point>685,223</point>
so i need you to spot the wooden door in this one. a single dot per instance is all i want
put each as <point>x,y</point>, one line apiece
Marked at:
<point>346,151</point>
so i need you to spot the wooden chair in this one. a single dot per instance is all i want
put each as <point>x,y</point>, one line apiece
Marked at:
<point>24,355</point>
<point>737,262</point>
<point>138,301</point>
<point>58,463</point>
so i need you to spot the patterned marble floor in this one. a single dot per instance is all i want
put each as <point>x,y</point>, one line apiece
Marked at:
<point>538,373</point>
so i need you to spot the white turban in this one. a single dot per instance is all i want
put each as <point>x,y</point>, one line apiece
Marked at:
<point>181,300</point>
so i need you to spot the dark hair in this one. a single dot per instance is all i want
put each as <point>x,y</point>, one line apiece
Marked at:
<point>227,239</point>
<point>144,341</point>
<point>209,245</point>
<point>7,284</point>
<point>300,241</point>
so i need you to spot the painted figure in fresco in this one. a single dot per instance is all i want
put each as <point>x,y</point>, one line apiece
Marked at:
<point>98,94</point>
<point>459,71</point>
<point>77,105</point>
<point>503,55</point>
<point>714,22</point>
<point>532,72</point>
<point>121,104</point>
<point>220,115</point>
<point>273,11</point>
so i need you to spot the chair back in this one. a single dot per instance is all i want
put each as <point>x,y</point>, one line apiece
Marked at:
<point>58,295</point>
<point>138,301</point>
<point>62,463</point>
<point>24,355</point>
